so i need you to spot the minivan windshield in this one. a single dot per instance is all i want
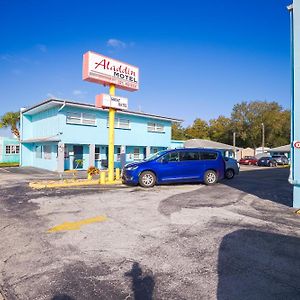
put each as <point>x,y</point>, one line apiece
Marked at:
<point>155,155</point>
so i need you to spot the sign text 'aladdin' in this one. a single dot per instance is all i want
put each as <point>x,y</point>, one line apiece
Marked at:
<point>104,70</point>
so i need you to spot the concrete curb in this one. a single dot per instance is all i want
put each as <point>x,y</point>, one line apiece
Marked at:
<point>74,183</point>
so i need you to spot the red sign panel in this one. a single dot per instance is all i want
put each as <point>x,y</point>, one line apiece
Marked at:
<point>297,144</point>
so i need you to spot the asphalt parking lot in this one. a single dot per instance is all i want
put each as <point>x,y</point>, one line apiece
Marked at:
<point>239,239</point>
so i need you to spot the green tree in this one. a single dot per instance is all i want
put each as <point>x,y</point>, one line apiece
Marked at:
<point>11,119</point>
<point>178,132</point>
<point>199,130</point>
<point>220,130</point>
<point>247,119</point>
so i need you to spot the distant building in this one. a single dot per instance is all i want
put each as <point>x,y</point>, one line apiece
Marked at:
<point>175,144</point>
<point>9,150</point>
<point>260,152</point>
<point>282,150</point>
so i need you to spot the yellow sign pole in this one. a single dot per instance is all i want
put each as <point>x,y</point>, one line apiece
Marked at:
<point>111,138</point>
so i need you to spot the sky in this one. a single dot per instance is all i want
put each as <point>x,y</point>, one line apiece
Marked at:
<point>196,58</point>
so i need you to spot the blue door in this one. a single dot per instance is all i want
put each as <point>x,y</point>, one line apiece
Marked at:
<point>191,166</point>
<point>78,157</point>
<point>168,167</point>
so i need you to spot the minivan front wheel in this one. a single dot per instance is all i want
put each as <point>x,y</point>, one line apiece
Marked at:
<point>147,179</point>
<point>210,177</point>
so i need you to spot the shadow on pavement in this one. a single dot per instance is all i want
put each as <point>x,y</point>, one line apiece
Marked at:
<point>271,184</point>
<point>258,265</point>
<point>141,285</point>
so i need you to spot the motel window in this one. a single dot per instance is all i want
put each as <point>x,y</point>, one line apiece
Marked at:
<point>155,127</point>
<point>136,154</point>
<point>38,151</point>
<point>12,149</point>
<point>97,153</point>
<point>81,118</point>
<point>47,151</point>
<point>121,123</point>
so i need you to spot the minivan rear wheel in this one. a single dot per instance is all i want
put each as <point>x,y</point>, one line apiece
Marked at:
<point>210,177</point>
<point>229,174</point>
<point>147,179</point>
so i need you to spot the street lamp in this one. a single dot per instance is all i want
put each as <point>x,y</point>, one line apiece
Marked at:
<point>263,138</point>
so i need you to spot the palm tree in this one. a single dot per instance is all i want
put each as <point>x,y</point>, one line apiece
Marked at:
<point>11,119</point>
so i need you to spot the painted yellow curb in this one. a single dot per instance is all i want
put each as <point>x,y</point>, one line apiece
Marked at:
<point>77,224</point>
<point>74,183</point>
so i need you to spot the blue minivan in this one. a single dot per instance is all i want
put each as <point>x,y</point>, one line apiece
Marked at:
<point>178,165</point>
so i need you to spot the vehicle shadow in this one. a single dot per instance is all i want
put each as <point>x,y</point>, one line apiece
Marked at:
<point>258,265</point>
<point>142,285</point>
<point>271,184</point>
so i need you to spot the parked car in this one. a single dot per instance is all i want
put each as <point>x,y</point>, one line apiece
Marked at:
<point>267,161</point>
<point>232,167</point>
<point>178,165</point>
<point>248,160</point>
<point>281,159</point>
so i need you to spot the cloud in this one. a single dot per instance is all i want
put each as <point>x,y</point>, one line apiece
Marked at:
<point>50,95</point>
<point>42,48</point>
<point>116,44</point>
<point>78,93</point>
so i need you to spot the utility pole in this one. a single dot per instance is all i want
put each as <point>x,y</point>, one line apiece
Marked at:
<point>234,148</point>
<point>263,137</point>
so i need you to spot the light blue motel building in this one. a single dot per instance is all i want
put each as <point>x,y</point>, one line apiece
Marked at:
<point>9,150</point>
<point>60,135</point>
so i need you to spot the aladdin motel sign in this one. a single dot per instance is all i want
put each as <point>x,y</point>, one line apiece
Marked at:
<point>104,70</point>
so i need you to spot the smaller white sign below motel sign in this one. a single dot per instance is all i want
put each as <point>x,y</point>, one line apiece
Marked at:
<point>104,70</point>
<point>105,100</point>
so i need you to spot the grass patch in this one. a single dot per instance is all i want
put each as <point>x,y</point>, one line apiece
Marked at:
<point>9,164</point>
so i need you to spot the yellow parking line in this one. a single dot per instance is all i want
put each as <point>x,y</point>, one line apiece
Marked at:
<point>77,224</point>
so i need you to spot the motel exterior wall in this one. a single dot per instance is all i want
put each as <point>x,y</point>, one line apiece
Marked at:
<point>47,127</point>
<point>9,150</point>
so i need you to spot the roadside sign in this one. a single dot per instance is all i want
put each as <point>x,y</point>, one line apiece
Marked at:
<point>98,68</point>
<point>105,100</point>
<point>297,144</point>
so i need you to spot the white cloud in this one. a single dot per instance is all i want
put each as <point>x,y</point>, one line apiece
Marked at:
<point>42,48</point>
<point>116,44</point>
<point>50,95</point>
<point>78,92</point>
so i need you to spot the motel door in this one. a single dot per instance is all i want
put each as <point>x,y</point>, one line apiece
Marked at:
<point>78,155</point>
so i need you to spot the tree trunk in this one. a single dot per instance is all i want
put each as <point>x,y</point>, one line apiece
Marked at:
<point>16,132</point>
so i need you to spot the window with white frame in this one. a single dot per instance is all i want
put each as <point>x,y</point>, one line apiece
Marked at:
<point>136,154</point>
<point>155,127</point>
<point>81,118</point>
<point>47,151</point>
<point>97,153</point>
<point>38,151</point>
<point>12,149</point>
<point>121,123</point>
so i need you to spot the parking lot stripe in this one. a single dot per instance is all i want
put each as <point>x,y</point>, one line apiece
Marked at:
<point>77,225</point>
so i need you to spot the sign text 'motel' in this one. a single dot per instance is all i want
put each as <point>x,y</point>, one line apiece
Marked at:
<point>104,70</point>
